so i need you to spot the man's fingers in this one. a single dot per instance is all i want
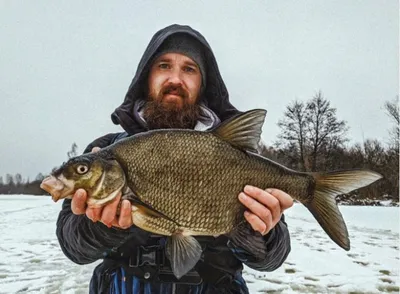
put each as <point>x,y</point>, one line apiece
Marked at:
<point>285,200</point>
<point>115,223</point>
<point>256,223</point>
<point>258,208</point>
<point>95,149</point>
<point>265,199</point>
<point>94,213</point>
<point>125,217</point>
<point>110,211</point>
<point>78,203</point>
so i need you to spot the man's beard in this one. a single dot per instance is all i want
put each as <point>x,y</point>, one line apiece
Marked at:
<point>158,115</point>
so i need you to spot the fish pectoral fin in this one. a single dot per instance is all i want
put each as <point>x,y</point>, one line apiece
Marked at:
<point>183,253</point>
<point>147,209</point>
<point>128,194</point>
<point>324,207</point>
<point>243,131</point>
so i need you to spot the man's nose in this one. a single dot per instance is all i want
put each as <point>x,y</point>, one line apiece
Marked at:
<point>175,77</point>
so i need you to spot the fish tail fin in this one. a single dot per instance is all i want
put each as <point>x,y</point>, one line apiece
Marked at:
<point>183,253</point>
<point>324,207</point>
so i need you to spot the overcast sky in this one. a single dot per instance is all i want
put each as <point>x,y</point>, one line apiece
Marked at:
<point>66,65</point>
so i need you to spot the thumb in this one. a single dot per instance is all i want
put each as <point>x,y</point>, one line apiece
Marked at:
<point>78,203</point>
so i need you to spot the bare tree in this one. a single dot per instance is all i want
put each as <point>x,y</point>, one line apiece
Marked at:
<point>9,180</point>
<point>293,131</point>
<point>73,152</point>
<point>311,130</point>
<point>324,129</point>
<point>39,177</point>
<point>18,179</point>
<point>392,110</point>
<point>374,153</point>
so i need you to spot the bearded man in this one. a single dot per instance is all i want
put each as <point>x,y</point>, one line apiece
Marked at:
<point>177,85</point>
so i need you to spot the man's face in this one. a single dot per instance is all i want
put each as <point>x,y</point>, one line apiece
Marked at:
<point>174,81</point>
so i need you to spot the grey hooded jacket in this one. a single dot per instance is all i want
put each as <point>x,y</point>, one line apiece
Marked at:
<point>83,241</point>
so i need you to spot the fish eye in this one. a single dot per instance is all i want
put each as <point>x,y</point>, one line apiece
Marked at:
<point>82,169</point>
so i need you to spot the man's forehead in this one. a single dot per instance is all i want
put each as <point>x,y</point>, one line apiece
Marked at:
<point>170,57</point>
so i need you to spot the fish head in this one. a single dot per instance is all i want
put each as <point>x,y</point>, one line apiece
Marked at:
<point>102,179</point>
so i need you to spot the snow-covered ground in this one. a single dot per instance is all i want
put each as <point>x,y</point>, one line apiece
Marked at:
<point>32,262</point>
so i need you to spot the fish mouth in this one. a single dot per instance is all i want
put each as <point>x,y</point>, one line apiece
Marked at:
<point>56,188</point>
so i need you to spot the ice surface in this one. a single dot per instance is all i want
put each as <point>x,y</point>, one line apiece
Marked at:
<point>31,260</point>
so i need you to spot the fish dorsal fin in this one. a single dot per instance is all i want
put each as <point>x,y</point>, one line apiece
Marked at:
<point>243,131</point>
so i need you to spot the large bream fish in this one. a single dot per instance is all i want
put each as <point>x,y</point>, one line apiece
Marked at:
<point>185,183</point>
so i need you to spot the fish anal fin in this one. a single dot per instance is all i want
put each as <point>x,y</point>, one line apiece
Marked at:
<point>243,131</point>
<point>183,253</point>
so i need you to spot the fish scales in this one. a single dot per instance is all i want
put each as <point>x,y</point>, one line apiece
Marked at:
<point>194,178</point>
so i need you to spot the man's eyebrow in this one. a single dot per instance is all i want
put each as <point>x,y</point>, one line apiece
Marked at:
<point>186,62</point>
<point>191,63</point>
<point>164,59</point>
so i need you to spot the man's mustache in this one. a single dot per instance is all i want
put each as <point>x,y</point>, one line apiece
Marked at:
<point>175,90</point>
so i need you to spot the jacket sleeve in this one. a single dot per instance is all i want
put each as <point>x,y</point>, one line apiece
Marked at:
<point>81,240</point>
<point>277,243</point>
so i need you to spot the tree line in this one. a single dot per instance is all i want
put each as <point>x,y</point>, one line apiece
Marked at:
<point>16,184</point>
<point>312,138</point>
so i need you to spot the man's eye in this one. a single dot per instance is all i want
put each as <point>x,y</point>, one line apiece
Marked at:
<point>189,69</point>
<point>164,65</point>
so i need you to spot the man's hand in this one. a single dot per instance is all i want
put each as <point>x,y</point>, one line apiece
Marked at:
<point>106,214</point>
<point>265,207</point>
